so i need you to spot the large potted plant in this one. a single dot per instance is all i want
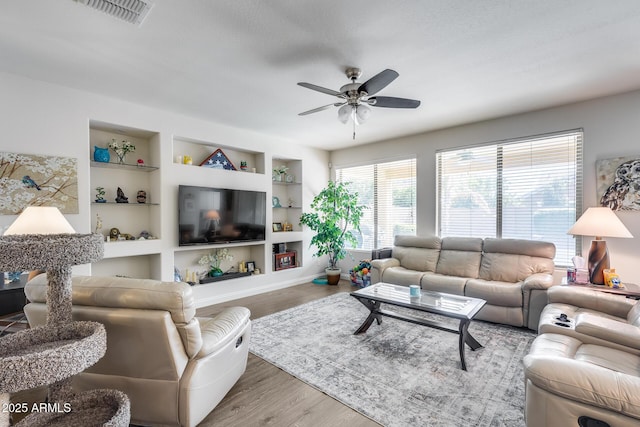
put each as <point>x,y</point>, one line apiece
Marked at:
<point>335,213</point>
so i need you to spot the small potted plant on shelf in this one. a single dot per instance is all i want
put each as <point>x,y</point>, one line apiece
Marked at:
<point>336,211</point>
<point>212,261</point>
<point>100,195</point>
<point>279,173</point>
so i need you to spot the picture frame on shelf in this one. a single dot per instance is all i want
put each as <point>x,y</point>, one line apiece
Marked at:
<point>277,226</point>
<point>251,266</point>
<point>218,160</point>
<point>285,260</point>
<point>275,202</point>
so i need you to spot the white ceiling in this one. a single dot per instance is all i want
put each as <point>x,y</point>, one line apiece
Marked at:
<point>238,62</point>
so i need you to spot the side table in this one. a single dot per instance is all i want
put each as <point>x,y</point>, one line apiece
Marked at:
<point>630,290</point>
<point>12,297</point>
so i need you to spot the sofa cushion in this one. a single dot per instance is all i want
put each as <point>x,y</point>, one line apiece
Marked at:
<point>513,260</point>
<point>460,256</point>
<point>417,253</point>
<point>442,283</point>
<point>495,292</point>
<point>402,276</point>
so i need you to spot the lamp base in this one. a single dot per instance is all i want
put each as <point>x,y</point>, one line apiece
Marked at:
<point>598,261</point>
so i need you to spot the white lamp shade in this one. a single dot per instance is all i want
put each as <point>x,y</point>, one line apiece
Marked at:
<point>40,220</point>
<point>599,222</point>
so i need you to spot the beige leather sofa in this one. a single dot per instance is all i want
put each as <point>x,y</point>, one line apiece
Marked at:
<point>175,368</point>
<point>593,317</point>
<point>572,383</point>
<point>512,275</point>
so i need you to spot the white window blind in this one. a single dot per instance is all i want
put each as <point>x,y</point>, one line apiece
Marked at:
<point>523,189</point>
<point>388,190</point>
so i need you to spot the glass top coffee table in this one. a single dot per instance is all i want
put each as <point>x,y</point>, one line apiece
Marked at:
<point>454,306</point>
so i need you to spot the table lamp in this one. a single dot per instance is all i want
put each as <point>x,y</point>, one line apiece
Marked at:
<point>599,222</point>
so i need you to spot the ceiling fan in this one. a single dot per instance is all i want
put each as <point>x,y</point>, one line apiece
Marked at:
<point>355,98</point>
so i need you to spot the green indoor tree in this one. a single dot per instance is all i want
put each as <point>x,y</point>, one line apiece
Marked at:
<point>335,213</point>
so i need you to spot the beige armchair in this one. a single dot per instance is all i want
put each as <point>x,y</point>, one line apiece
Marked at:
<point>592,317</point>
<point>570,383</point>
<point>175,368</point>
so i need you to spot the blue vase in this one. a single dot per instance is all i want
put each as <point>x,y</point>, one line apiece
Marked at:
<point>101,154</point>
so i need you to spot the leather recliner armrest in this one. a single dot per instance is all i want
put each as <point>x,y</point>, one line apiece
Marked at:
<point>614,305</point>
<point>585,382</point>
<point>218,331</point>
<point>379,265</point>
<point>538,281</point>
<point>608,329</point>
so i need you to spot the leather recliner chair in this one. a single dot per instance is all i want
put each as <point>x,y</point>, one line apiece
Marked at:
<point>571,383</point>
<point>175,368</point>
<point>592,317</point>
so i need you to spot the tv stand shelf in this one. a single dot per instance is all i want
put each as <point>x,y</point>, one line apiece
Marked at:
<point>225,276</point>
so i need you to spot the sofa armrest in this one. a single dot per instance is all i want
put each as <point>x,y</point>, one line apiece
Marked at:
<point>608,329</point>
<point>379,265</point>
<point>218,331</point>
<point>614,305</point>
<point>538,281</point>
<point>585,382</point>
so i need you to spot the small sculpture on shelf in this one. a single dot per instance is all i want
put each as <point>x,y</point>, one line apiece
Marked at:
<point>141,163</point>
<point>100,195</point>
<point>141,197</point>
<point>98,224</point>
<point>121,197</point>
<point>101,154</point>
<point>114,233</point>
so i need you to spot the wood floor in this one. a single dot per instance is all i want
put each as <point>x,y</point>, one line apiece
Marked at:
<point>268,396</point>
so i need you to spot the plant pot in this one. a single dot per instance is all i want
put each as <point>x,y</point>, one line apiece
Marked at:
<point>333,275</point>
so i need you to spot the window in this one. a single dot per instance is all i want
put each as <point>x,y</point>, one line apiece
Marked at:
<point>523,189</point>
<point>388,190</point>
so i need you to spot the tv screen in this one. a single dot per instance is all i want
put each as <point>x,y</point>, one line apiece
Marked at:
<point>218,215</point>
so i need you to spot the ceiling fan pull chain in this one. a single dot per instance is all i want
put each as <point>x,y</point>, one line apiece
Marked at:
<point>354,129</point>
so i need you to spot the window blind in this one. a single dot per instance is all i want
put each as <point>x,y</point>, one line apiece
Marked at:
<point>388,190</point>
<point>526,189</point>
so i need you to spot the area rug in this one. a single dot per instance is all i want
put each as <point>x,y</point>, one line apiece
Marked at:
<point>397,373</point>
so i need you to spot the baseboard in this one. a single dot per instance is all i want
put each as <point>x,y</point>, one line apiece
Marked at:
<point>230,296</point>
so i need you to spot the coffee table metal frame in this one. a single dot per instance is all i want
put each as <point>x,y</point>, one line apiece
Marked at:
<point>449,305</point>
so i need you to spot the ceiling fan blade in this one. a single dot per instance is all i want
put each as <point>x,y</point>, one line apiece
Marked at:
<point>378,82</point>
<point>324,107</point>
<point>319,89</point>
<point>392,102</point>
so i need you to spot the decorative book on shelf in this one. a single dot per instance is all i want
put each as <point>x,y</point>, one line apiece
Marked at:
<point>218,160</point>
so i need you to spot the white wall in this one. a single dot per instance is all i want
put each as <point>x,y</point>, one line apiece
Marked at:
<point>610,124</point>
<point>45,119</point>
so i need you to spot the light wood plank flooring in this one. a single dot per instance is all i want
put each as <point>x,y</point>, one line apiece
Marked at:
<point>268,396</point>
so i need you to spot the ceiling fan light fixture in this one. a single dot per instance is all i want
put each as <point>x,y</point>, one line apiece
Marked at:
<point>344,113</point>
<point>362,113</point>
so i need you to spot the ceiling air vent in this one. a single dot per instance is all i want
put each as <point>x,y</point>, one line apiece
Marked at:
<point>132,11</point>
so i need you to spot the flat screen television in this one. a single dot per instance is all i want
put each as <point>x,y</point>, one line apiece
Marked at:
<point>219,215</point>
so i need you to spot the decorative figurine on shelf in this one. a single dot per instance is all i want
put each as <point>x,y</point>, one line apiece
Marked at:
<point>290,202</point>
<point>100,195</point>
<point>98,224</point>
<point>121,197</point>
<point>121,149</point>
<point>114,233</point>
<point>101,154</point>
<point>243,165</point>
<point>141,197</point>
<point>141,163</point>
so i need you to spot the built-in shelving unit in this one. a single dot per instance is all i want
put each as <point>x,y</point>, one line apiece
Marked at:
<point>286,211</point>
<point>169,161</point>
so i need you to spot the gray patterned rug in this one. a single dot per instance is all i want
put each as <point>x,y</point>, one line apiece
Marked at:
<point>397,373</point>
